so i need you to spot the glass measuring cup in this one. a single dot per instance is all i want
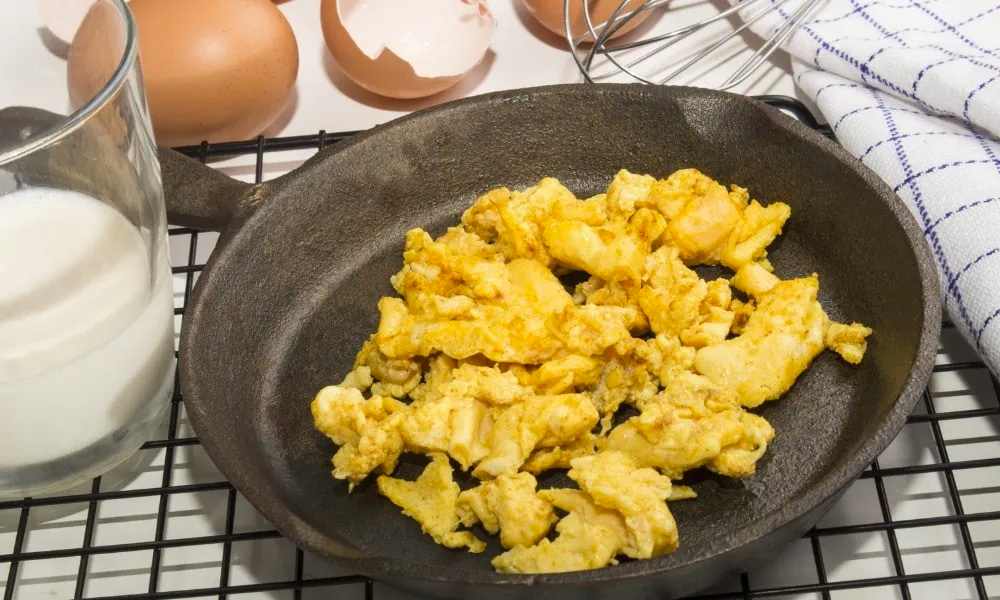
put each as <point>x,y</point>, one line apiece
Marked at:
<point>86,308</point>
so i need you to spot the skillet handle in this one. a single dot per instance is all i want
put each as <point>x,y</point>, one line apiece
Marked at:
<point>201,197</point>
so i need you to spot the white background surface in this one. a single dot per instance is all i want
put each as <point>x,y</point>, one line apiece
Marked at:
<point>522,55</point>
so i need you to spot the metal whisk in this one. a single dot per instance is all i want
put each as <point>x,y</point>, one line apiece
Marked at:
<point>631,56</point>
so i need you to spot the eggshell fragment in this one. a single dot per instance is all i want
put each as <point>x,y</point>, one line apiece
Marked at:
<point>550,14</point>
<point>409,49</point>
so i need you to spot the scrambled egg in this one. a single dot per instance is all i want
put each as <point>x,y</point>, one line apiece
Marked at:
<point>508,504</point>
<point>619,509</point>
<point>694,423</point>
<point>432,500</point>
<point>487,361</point>
<point>366,430</point>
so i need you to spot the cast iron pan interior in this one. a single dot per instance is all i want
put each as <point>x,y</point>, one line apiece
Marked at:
<point>290,295</point>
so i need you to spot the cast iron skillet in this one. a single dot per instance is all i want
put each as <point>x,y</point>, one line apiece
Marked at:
<point>290,295</point>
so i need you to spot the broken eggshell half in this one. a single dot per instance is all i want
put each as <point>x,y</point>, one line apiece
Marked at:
<point>407,49</point>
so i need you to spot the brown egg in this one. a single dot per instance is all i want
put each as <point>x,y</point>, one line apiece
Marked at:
<point>97,50</point>
<point>214,70</point>
<point>390,75</point>
<point>550,14</point>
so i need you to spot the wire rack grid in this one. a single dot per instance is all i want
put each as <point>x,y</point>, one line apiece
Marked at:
<point>922,522</point>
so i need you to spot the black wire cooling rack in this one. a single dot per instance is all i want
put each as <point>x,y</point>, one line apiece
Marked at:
<point>931,530</point>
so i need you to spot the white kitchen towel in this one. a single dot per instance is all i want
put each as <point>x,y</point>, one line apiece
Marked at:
<point>912,88</point>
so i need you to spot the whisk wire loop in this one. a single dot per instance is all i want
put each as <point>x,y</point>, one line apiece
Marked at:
<point>626,57</point>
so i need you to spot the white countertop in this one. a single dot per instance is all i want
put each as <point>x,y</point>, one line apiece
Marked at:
<point>522,55</point>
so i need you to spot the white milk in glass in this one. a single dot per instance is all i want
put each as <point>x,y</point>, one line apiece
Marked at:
<point>86,336</point>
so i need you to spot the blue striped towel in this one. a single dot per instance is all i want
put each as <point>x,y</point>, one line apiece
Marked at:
<point>912,88</point>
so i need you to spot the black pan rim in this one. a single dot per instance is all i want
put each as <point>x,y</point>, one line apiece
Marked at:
<point>814,496</point>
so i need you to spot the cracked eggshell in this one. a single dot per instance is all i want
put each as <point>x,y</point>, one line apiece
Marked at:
<point>550,14</point>
<point>406,49</point>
